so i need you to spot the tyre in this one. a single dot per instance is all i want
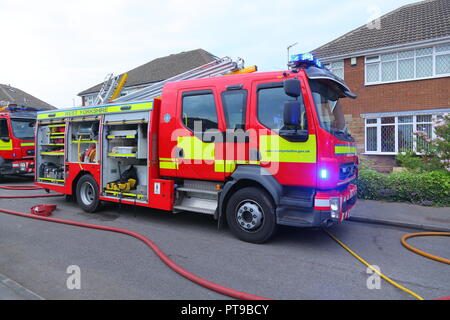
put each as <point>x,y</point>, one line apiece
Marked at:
<point>251,215</point>
<point>87,193</point>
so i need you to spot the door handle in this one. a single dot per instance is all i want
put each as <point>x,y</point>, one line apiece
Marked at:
<point>179,152</point>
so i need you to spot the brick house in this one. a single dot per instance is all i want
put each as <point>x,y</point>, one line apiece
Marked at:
<point>399,66</point>
<point>155,71</point>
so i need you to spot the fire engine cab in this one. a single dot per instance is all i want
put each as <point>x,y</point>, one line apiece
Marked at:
<point>257,150</point>
<point>16,140</point>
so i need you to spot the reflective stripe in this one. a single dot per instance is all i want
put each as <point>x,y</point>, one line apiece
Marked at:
<point>196,149</point>
<point>344,149</point>
<point>123,155</point>
<point>125,194</point>
<point>123,137</point>
<point>6,146</point>
<point>48,179</point>
<point>168,163</point>
<point>130,107</point>
<point>27,144</point>
<point>274,148</point>
<point>224,165</point>
<point>52,153</point>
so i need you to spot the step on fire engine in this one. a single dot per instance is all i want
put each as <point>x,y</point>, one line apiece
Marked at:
<point>16,140</point>
<point>255,149</point>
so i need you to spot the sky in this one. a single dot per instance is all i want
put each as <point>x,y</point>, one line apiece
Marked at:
<point>55,49</point>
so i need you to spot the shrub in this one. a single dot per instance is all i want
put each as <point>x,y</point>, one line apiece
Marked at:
<point>428,188</point>
<point>435,153</point>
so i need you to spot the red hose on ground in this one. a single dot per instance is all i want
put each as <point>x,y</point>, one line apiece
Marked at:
<point>19,187</point>
<point>171,264</point>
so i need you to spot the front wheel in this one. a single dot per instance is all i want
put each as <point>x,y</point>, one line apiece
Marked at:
<point>251,215</point>
<point>87,193</point>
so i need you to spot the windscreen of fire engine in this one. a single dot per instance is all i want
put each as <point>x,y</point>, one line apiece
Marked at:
<point>329,110</point>
<point>23,129</point>
<point>271,108</point>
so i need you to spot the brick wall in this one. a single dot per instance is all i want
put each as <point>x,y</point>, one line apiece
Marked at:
<point>392,97</point>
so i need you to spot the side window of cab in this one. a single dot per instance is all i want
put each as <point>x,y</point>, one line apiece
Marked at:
<point>4,132</point>
<point>199,112</point>
<point>271,99</point>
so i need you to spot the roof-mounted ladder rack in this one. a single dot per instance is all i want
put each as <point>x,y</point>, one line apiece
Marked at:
<point>215,68</point>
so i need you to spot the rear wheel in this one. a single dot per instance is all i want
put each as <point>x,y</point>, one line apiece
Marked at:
<point>251,215</point>
<point>87,193</point>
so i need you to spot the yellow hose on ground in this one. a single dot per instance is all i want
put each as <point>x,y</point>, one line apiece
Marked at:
<point>423,253</point>
<point>395,284</point>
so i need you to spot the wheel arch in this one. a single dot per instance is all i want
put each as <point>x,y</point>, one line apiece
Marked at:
<point>75,182</point>
<point>248,176</point>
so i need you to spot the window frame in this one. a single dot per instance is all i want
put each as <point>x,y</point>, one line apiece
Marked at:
<point>225,108</point>
<point>396,124</point>
<point>329,66</point>
<point>271,85</point>
<point>7,128</point>
<point>189,93</point>
<point>377,60</point>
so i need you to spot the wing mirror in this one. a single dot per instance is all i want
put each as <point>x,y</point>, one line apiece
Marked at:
<point>292,87</point>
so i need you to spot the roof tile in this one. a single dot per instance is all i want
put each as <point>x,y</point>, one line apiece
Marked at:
<point>162,68</point>
<point>415,22</point>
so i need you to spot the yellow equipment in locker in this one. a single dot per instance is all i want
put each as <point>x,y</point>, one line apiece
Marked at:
<point>121,186</point>
<point>127,180</point>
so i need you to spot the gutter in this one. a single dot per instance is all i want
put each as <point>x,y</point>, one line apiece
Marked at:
<point>403,46</point>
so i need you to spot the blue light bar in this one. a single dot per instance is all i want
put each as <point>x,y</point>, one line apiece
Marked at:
<point>19,109</point>
<point>304,60</point>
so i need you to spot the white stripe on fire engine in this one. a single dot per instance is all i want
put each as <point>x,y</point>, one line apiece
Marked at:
<point>321,202</point>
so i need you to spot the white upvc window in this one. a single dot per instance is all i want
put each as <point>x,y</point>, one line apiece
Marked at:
<point>423,63</point>
<point>337,67</point>
<point>89,100</point>
<point>390,135</point>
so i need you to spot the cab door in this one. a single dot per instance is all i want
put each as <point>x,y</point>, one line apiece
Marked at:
<point>199,135</point>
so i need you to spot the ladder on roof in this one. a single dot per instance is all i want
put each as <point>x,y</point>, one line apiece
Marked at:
<point>111,88</point>
<point>213,69</point>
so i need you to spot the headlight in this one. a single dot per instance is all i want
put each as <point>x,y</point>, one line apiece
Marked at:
<point>335,208</point>
<point>22,165</point>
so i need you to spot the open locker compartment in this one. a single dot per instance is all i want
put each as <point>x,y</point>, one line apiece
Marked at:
<point>50,152</point>
<point>83,141</point>
<point>124,157</point>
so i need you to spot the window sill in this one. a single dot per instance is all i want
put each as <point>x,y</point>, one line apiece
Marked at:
<point>380,153</point>
<point>406,80</point>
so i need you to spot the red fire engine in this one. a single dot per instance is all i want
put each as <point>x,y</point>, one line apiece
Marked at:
<point>257,150</point>
<point>16,140</point>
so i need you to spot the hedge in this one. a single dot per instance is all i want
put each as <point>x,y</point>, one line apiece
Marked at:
<point>428,188</point>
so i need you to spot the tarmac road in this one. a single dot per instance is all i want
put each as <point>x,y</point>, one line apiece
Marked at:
<point>296,264</point>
